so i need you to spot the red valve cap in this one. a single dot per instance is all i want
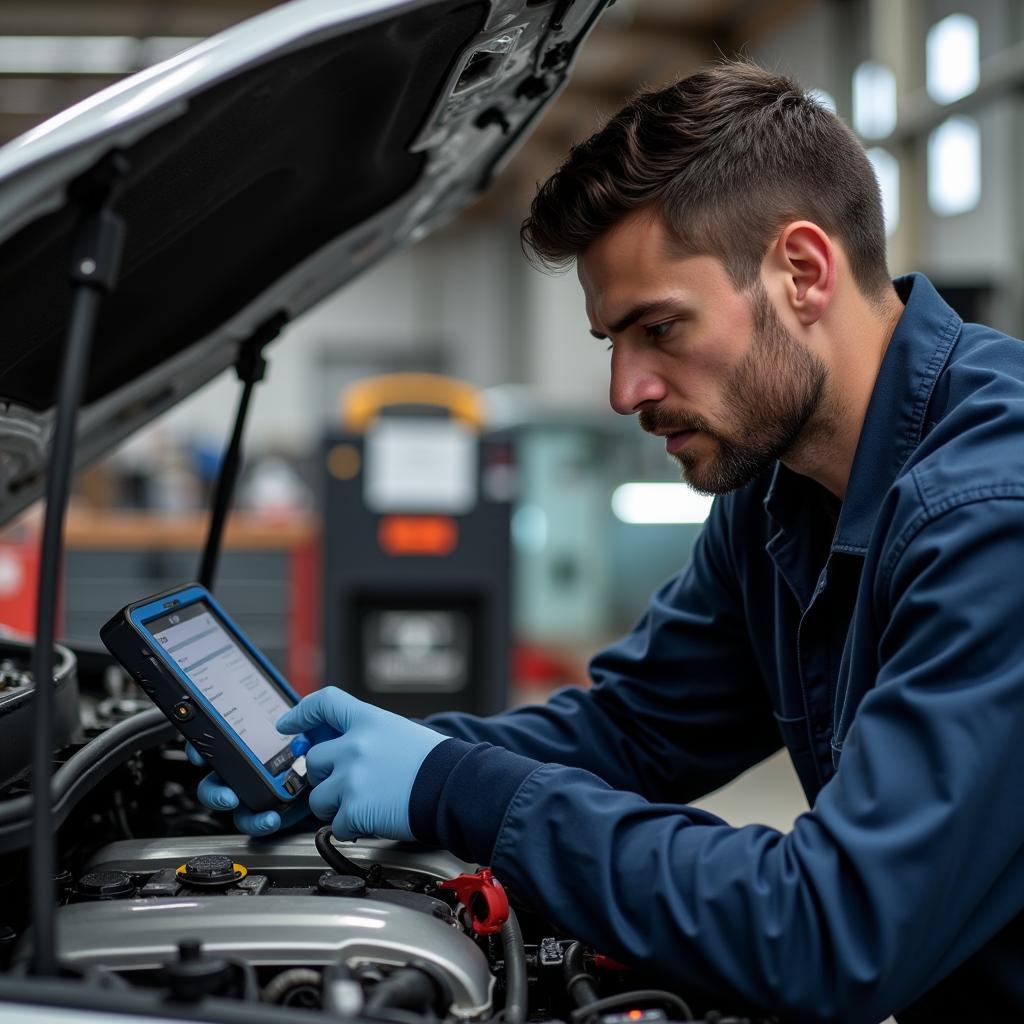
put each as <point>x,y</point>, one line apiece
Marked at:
<point>484,897</point>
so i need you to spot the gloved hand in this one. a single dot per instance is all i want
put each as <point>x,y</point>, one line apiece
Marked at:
<point>363,779</point>
<point>213,793</point>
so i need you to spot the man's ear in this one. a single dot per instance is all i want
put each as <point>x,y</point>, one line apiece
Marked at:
<point>803,258</point>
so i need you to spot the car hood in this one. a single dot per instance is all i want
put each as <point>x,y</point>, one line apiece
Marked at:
<point>266,167</point>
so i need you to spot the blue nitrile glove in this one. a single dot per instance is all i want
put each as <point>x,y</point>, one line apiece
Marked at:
<point>363,779</point>
<point>213,793</point>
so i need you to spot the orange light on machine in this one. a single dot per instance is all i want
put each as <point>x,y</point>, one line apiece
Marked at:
<point>434,536</point>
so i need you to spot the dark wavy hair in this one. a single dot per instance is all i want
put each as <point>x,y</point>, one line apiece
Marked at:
<point>727,157</point>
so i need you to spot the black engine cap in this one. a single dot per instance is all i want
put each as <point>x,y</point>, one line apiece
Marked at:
<point>211,870</point>
<point>331,884</point>
<point>106,884</point>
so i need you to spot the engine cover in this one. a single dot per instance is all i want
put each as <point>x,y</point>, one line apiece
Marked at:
<point>284,921</point>
<point>138,934</point>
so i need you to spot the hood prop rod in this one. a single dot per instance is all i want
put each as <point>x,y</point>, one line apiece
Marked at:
<point>251,367</point>
<point>96,259</point>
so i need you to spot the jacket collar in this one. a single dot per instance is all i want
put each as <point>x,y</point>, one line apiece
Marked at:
<point>894,423</point>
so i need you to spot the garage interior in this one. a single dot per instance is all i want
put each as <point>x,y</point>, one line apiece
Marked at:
<point>932,87</point>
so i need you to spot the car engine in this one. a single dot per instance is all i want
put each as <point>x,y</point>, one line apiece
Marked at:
<point>156,893</point>
<point>132,905</point>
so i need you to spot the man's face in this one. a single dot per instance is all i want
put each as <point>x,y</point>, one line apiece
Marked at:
<point>712,369</point>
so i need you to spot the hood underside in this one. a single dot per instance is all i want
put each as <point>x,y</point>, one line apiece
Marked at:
<point>266,167</point>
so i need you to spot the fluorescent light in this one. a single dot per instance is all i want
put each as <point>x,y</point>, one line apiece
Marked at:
<point>887,171</point>
<point>86,55</point>
<point>660,503</point>
<point>952,58</point>
<point>954,166</point>
<point>89,55</point>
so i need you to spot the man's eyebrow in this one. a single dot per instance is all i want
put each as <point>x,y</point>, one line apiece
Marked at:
<point>638,312</point>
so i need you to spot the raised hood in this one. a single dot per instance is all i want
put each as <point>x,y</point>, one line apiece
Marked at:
<point>267,166</point>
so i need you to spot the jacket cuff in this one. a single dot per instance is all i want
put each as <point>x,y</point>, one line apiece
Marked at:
<point>461,794</point>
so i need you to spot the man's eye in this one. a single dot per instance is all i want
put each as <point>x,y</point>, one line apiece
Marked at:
<point>657,331</point>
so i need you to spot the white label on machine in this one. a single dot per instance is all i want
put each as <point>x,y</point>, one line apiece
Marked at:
<point>416,651</point>
<point>420,465</point>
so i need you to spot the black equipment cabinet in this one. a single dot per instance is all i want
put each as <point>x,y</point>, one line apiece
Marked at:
<point>417,602</point>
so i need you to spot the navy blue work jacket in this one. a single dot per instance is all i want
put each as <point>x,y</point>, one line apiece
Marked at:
<point>886,650</point>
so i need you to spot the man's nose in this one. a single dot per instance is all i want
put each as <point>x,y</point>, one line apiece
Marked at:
<point>633,384</point>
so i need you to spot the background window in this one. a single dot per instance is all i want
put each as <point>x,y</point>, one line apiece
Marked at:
<point>951,58</point>
<point>887,170</point>
<point>954,166</point>
<point>874,100</point>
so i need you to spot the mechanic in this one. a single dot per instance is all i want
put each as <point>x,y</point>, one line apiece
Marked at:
<point>854,592</point>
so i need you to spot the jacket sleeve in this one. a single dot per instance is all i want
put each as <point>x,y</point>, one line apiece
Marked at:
<point>909,861</point>
<point>677,708</point>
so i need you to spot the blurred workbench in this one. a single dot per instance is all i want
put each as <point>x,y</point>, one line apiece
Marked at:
<point>268,576</point>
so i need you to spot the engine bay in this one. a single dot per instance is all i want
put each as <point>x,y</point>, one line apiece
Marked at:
<point>134,898</point>
<point>157,895</point>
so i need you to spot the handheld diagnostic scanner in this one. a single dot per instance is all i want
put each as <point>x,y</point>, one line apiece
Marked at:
<point>217,688</point>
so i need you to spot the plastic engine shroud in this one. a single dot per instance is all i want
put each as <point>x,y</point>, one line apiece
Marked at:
<point>288,923</point>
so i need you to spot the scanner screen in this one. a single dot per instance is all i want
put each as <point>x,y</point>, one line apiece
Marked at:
<point>228,677</point>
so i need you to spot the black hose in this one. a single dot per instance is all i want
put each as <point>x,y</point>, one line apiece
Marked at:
<point>577,982</point>
<point>82,772</point>
<point>408,988</point>
<point>516,984</point>
<point>629,1000</point>
<point>282,985</point>
<point>334,857</point>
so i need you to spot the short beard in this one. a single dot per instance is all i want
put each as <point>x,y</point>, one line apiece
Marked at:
<point>770,399</point>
